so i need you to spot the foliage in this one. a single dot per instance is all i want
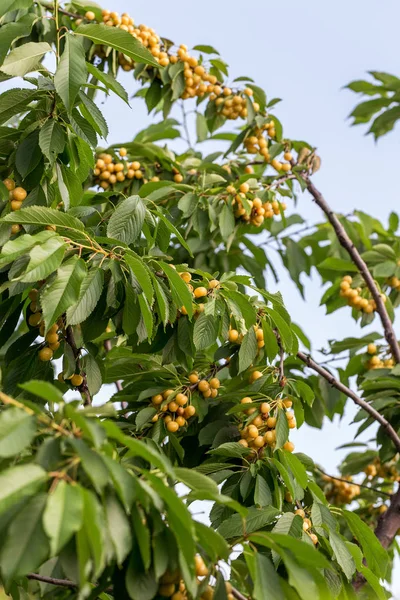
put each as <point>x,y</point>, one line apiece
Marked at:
<point>137,266</point>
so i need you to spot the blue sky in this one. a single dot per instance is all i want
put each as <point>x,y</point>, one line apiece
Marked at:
<point>304,53</point>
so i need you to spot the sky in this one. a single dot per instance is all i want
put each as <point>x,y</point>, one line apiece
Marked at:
<point>304,53</point>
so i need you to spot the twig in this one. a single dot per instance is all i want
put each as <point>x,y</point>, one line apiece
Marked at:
<point>236,594</point>
<point>281,359</point>
<point>185,125</point>
<point>52,580</point>
<point>350,394</point>
<point>361,485</point>
<point>51,7</point>
<point>278,237</point>
<point>83,388</point>
<point>346,242</point>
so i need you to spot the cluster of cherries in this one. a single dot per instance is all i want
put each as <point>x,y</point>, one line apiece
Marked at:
<point>260,431</point>
<point>357,296</point>
<point>248,207</point>
<point>375,361</point>
<point>172,585</point>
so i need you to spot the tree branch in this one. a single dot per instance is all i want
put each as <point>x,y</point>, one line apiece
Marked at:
<point>360,485</point>
<point>346,242</point>
<point>50,6</point>
<point>52,580</point>
<point>83,388</point>
<point>350,394</point>
<point>236,594</point>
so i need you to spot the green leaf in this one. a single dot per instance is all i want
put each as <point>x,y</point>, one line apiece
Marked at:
<point>13,31</point>
<point>212,541</point>
<point>92,463</point>
<point>342,554</point>
<point>26,546</point>
<point>93,528</point>
<point>226,221</point>
<point>282,429</point>
<point>89,295</point>
<point>262,493</point>
<point>376,556</point>
<point>42,389</point>
<point>257,518</point>
<point>63,515</point>
<point>297,468</point>
<point>38,215</point>
<point>179,290</point>
<point>248,350</point>
<point>44,260</point>
<point>205,331</point>
<point>119,528</point>
<point>140,585</point>
<point>206,49</point>
<point>283,328</point>
<point>126,222</point>
<point>63,291</point>
<point>18,483</point>
<point>119,40</point>
<point>17,429</point>
<point>141,273</point>
<point>71,71</point>
<point>93,114</point>
<point>201,127</point>
<point>24,59</point>
<point>52,139</point>
<point>28,154</point>
<point>195,480</point>
<point>175,231</point>
<point>338,264</point>
<point>15,101</point>
<point>266,585</point>
<point>109,81</point>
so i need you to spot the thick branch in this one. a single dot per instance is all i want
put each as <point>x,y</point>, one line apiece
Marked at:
<point>83,388</point>
<point>350,394</point>
<point>346,242</point>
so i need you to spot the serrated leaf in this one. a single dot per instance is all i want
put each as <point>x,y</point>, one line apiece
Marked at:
<point>63,515</point>
<point>282,429</point>
<point>120,40</point>
<point>141,273</point>
<point>24,59</point>
<point>26,546</point>
<point>63,290</point>
<point>248,350</point>
<point>94,115</point>
<point>38,215</point>
<point>19,482</point>
<point>119,528</point>
<point>89,295</point>
<point>44,260</point>
<point>205,331</point>
<point>71,71</point>
<point>13,31</point>
<point>52,139</point>
<point>28,154</point>
<point>262,493</point>
<point>15,101</point>
<point>376,556</point>
<point>109,81</point>
<point>17,429</point>
<point>127,221</point>
<point>226,221</point>
<point>179,289</point>
<point>342,554</point>
<point>257,518</point>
